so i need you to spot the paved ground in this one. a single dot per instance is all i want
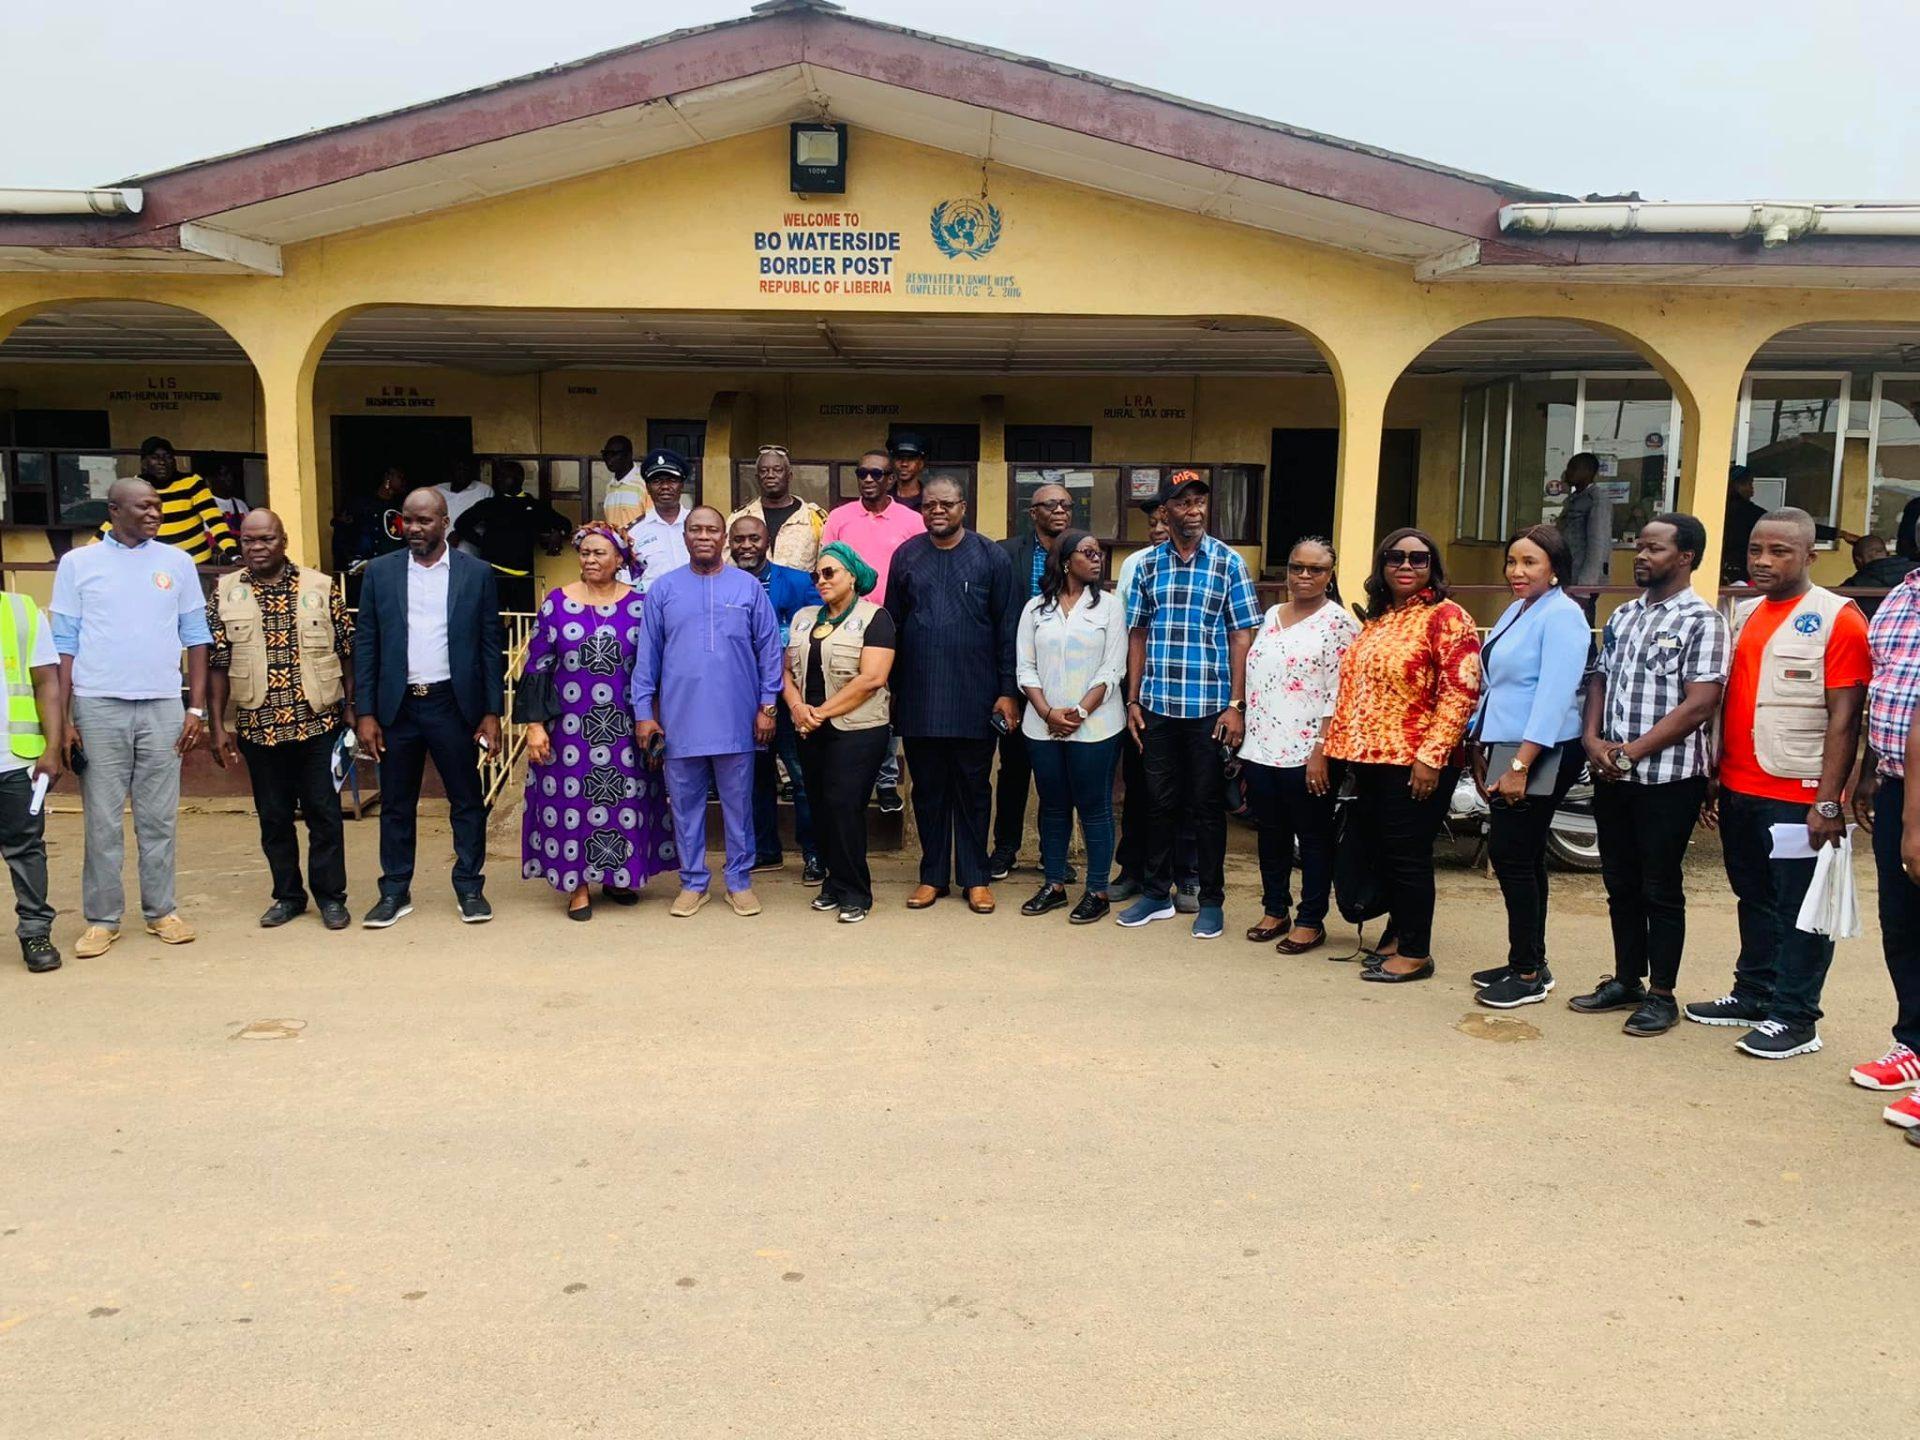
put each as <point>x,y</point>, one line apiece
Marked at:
<point>938,1176</point>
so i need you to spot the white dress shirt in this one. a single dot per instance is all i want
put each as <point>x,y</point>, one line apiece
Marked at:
<point>1065,655</point>
<point>660,544</point>
<point>427,661</point>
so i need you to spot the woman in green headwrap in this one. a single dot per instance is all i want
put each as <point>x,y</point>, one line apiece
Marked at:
<point>838,659</point>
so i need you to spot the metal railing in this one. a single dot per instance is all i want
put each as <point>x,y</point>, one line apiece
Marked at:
<point>498,768</point>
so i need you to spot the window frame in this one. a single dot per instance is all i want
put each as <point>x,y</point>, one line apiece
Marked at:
<point>1122,482</point>
<point>1873,430</point>
<point>1843,381</point>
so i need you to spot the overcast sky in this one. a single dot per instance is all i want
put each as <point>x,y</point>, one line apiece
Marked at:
<point>1680,99</point>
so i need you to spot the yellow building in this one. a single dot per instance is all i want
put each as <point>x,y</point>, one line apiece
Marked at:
<point>1035,268</point>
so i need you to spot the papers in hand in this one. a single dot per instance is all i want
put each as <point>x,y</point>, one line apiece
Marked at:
<point>1831,908</point>
<point>1790,842</point>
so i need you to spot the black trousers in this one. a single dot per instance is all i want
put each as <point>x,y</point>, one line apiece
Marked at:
<point>839,767</point>
<point>1899,911</point>
<point>1285,810</point>
<point>1403,830</point>
<point>516,593</point>
<point>1643,832</point>
<point>23,841</point>
<point>951,798</point>
<point>1517,849</point>
<point>431,725</point>
<point>1185,785</point>
<point>299,772</point>
<point>1010,791</point>
<point>1136,824</point>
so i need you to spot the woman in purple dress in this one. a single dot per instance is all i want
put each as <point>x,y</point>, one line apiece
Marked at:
<point>594,814</point>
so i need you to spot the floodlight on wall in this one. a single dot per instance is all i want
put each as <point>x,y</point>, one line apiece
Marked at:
<point>818,159</point>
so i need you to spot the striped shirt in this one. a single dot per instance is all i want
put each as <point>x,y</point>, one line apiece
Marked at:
<point>191,520</point>
<point>1894,638</point>
<point>1187,607</point>
<point>1649,655</point>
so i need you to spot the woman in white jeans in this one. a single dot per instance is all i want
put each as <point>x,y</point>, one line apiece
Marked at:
<point>1072,662</point>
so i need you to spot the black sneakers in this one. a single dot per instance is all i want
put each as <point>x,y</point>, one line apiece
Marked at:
<point>1483,978</point>
<point>1044,899</point>
<point>1515,990</point>
<point>1775,1040</point>
<point>280,912</point>
<point>1000,866</point>
<point>1727,1010</point>
<point>334,914</point>
<point>474,909</point>
<point>890,801</point>
<point>386,910</point>
<point>39,954</point>
<point>823,903</point>
<point>1612,993</point>
<point>815,872</point>
<point>1091,908</point>
<point>1655,1015</point>
<point>1186,900</point>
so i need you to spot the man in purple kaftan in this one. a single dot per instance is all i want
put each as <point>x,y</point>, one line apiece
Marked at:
<point>707,677</point>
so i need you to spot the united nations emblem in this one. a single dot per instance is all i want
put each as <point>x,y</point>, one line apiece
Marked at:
<point>1807,624</point>
<point>967,226</point>
<point>162,580</point>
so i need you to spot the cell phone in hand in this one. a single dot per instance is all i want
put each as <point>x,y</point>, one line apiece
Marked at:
<point>999,722</point>
<point>655,749</point>
<point>77,762</point>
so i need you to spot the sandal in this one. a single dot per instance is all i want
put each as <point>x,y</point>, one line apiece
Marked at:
<point>1291,946</point>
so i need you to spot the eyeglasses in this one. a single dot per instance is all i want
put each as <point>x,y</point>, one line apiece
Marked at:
<point>1293,568</point>
<point>1408,559</point>
<point>867,472</point>
<point>826,572</point>
<point>943,505</point>
<point>1053,504</point>
<point>779,450</point>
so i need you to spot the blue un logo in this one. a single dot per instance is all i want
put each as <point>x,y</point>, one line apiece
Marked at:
<point>967,226</point>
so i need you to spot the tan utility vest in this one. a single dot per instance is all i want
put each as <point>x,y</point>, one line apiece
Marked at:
<point>1790,703</point>
<point>247,640</point>
<point>841,653</point>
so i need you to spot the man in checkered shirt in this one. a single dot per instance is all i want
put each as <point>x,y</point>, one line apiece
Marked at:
<point>1191,616</point>
<point>1663,663</point>
<point>1880,802</point>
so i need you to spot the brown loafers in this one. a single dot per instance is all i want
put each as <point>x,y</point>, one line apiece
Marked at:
<point>924,895</point>
<point>980,900</point>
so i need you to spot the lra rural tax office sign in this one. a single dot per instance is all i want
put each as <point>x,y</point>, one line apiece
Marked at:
<point>833,253</point>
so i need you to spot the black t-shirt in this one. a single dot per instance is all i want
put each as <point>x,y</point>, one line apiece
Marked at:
<point>879,636</point>
<point>778,515</point>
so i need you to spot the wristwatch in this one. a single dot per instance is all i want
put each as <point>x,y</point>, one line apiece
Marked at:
<point>1828,809</point>
<point>1517,765</point>
<point>1239,705</point>
<point>1620,760</point>
<point>769,711</point>
<point>197,713</point>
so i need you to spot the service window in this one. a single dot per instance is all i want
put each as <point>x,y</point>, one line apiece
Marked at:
<point>1894,453</point>
<point>1094,490</point>
<point>1789,435</point>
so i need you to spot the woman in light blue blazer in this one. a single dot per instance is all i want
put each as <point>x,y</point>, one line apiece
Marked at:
<point>1527,749</point>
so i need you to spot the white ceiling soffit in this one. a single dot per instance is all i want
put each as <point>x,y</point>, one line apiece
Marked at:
<point>121,330</point>
<point>1812,277</point>
<point>36,259</point>
<point>797,92</point>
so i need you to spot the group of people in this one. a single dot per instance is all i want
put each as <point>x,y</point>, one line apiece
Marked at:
<point>844,644</point>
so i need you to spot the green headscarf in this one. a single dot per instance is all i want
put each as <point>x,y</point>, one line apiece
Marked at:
<point>865,577</point>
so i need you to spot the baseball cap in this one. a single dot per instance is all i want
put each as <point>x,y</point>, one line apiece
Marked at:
<point>153,443</point>
<point>909,445</point>
<point>1179,481</point>
<point>663,462</point>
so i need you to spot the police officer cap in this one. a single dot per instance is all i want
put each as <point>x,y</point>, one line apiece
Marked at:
<point>663,462</point>
<point>907,446</point>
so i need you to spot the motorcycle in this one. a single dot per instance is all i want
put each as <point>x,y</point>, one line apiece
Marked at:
<point>1572,841</point>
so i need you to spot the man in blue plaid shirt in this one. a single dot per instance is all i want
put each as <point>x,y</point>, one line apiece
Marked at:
<point>1191,615</point>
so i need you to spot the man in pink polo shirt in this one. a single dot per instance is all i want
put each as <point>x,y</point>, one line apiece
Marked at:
<point>878,525</point>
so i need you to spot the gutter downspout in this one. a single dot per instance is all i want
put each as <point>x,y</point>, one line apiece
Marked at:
<point>71,202</point>
<point>1776,223</point>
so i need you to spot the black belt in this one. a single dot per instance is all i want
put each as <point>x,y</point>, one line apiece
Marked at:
<point>438,687</point>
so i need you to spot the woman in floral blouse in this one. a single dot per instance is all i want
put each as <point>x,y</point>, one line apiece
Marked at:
<point>1407,690</point>
<point>1293,673</point>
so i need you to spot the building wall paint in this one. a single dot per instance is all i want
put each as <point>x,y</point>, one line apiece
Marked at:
<point>675,233</point>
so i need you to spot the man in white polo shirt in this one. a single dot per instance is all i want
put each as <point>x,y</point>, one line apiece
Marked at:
<point>659,537</point>
<point>123,610</point>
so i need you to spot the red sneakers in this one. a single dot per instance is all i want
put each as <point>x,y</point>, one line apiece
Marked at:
<point>1904,1112</point>
<point>1898,1069</point>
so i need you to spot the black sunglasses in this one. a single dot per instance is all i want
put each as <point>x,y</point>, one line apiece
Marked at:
<point>865,472</point>
<point>1411,559</point>
<point>825,572</point>
<point>1294,567</point>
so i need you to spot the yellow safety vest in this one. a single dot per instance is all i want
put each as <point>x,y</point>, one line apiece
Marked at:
<point>19,628</point>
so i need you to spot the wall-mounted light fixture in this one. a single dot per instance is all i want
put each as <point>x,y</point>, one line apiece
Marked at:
<point>818,159</point>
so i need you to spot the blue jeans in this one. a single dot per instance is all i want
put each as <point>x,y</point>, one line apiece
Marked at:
<point>1076,775</point>
<point>766,793</point>
<point>1780,966</point>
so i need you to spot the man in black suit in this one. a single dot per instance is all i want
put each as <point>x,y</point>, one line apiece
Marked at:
<point>1052,511</point>
<point>430,672</point>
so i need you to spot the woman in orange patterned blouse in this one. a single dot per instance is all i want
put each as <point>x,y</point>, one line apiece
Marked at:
<point>1407,689</point>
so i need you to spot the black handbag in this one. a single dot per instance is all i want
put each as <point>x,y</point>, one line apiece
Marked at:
<point>1359,880</point>
<point>535,700</point>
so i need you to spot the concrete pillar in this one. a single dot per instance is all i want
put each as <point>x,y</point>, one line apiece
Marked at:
<point>990,480</point>
<point>293,467</point>
<point>1709,405</point>
<point>1356,495</point>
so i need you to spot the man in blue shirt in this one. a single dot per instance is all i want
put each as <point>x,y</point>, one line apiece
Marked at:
<point>123,610</point>
<point>1191,616</point>
<point>788,591</point>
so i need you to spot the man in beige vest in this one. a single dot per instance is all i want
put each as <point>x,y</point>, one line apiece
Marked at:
<point>1789,730</point>
<point>283,651</point>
